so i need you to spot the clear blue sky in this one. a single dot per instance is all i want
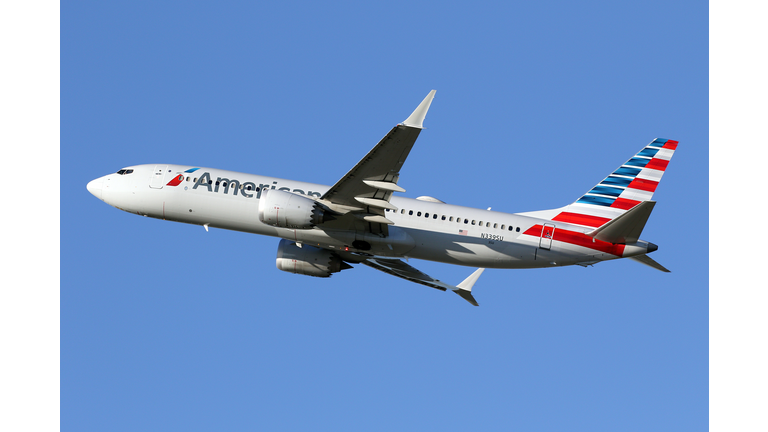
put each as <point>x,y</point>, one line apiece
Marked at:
<point>165,326</point>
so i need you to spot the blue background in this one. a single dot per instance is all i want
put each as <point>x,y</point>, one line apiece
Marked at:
<point>165,326</point>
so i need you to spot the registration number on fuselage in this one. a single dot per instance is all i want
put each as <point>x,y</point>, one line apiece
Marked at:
<point>494,237</point>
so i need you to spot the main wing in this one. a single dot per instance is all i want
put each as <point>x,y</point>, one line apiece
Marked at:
<point>363,194</point>
<point>403,270</point>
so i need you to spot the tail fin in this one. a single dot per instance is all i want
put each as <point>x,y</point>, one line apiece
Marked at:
<point>632,183</point>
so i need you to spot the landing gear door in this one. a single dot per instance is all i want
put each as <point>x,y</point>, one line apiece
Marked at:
<point>158,177</point>
<point>547,234</point>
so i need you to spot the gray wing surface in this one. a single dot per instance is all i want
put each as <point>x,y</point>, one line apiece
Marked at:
<point>365,191</point>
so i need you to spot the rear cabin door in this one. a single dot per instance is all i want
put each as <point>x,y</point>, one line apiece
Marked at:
<point>158,177</point>
<point>547,233</point>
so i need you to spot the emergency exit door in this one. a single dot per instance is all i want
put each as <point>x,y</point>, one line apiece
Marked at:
<point>547,234</point>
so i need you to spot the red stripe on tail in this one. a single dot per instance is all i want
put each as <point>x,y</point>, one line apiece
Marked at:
<point>646,185</point>
<point>670,144</point>
<point>658,164</point>
<point>624,204</point>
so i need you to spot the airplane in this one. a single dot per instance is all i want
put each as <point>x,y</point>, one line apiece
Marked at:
<point>359,220</point>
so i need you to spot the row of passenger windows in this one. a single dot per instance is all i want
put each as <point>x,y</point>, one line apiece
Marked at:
<point>460,220</point>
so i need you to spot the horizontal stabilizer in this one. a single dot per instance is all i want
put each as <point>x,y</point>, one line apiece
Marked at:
<point>645,259</point>
<point>627,227</point>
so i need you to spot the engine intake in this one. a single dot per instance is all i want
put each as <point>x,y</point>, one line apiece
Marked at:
<point>288,210</point>
<point>308,260</point>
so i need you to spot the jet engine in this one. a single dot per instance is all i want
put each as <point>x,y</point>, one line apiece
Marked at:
<point>289,210</point>
<point>308,260</point>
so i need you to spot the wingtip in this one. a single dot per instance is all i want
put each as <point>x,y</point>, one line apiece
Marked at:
<point>416,119</point>
<point>464,289</point>
<point>467,295</point>
<point>469,282</point>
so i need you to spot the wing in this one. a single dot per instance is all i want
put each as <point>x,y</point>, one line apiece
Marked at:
<point>363,194</point>
<point>400,269</point>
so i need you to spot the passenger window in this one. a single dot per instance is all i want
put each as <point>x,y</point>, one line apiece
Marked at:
<point>495,225</point>
<point>466,221</point>
<point>518,229</point>
<point>434,216</point>
<point>450,219</point>
<point>473,221</point>
<point>510,227</point>
<point>426,215</point>
<point>443,217</point>
<point>418,213</point>
<point>502,226</point>
<point>402,211</point>
<point>410,212</point>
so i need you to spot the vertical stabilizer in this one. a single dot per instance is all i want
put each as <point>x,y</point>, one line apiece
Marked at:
<point>632,183</point>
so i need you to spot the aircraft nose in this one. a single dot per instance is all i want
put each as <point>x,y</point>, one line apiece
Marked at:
<point>95,187</point>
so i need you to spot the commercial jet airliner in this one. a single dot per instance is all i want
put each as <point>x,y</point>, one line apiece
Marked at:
<point>360,220</point>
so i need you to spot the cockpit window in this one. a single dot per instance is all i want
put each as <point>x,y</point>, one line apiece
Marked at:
<point>125,171</point>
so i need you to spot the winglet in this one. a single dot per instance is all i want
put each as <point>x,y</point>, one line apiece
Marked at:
<point>464,289</point>
<point>416,119</point>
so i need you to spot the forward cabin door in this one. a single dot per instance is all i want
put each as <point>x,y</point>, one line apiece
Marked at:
<point>547,233</point>
<point>158,177</point>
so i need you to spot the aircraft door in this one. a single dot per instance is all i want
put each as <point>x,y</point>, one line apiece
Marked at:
<point>547,233</point>
<point>158,177</point>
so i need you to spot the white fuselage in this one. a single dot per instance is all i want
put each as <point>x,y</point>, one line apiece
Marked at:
<point>428,230</point>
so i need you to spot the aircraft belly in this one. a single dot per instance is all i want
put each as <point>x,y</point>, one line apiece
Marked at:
<point>468,251</point>
<point>520,253</point>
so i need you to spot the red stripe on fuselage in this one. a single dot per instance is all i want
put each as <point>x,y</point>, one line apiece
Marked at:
<point>581,219</point>
<point>578,239</point>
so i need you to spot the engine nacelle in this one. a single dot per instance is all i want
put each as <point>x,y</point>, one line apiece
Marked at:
<point>288,210</point>
<point>308,260</point>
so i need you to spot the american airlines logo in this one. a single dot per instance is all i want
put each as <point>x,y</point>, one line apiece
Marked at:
<point>236,187</point>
